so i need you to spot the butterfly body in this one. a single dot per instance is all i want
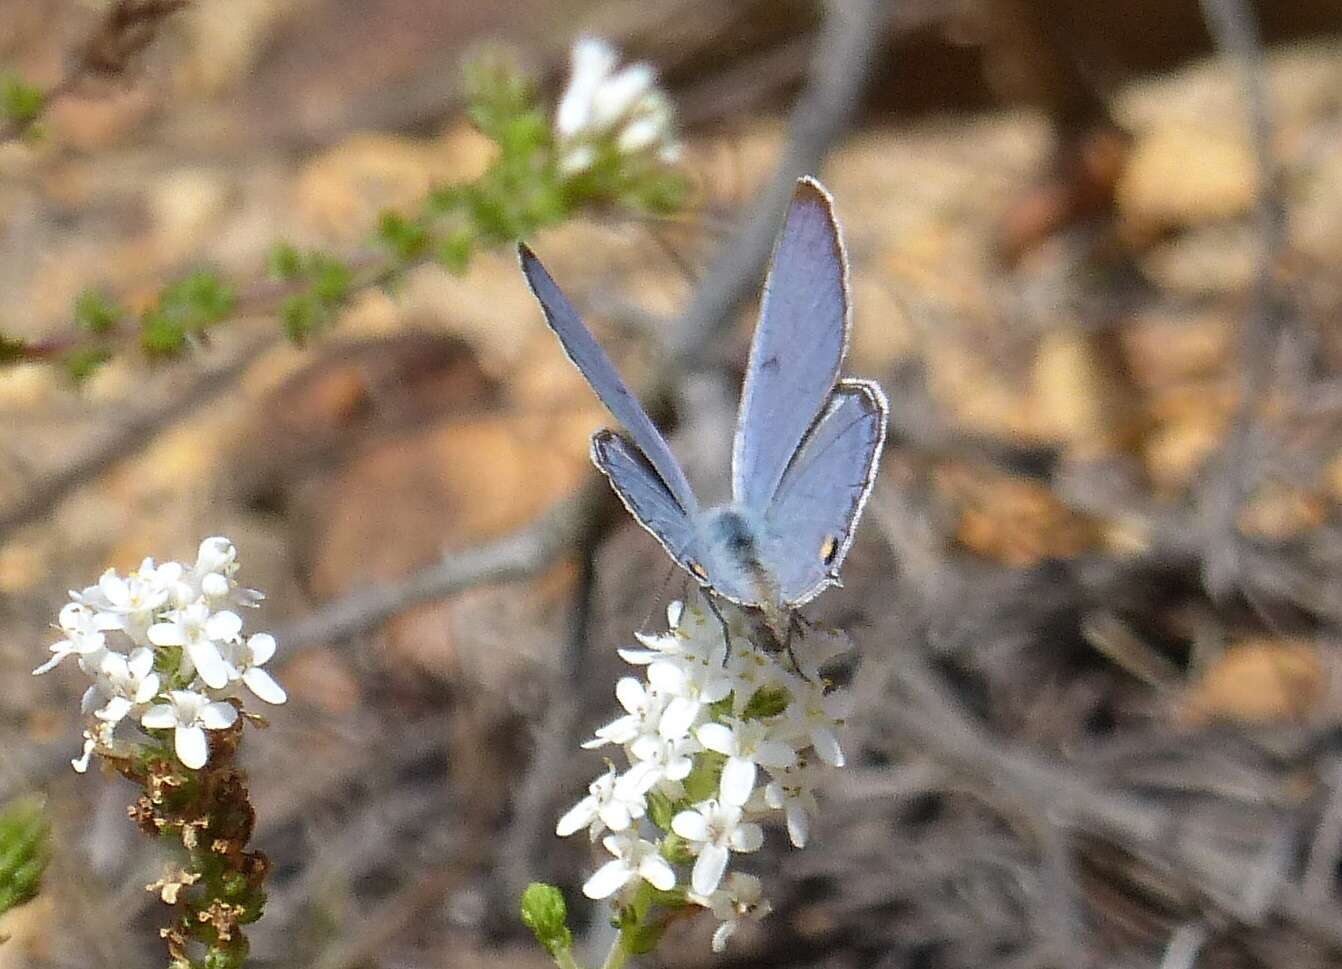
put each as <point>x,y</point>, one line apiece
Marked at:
<point>807,442</point>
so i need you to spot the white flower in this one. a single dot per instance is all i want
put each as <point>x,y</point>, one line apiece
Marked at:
<point>135,598</point>
<point>692,685</point>
<point>813,718</point>
<point>792,792</point>
<point>200,633</point>
<point>617,109</point>
<point>245,659</point>
<point>84,630</point>
<point>747,745</point>
<point>213,575</point>
<point>643,711</point>
<point>190,714</point>
<point>714,830</point>
<point>658,759</point>
<point>123,683</point>
<point>608,804</point>
<point>741,896</point>
<point>634,858</point>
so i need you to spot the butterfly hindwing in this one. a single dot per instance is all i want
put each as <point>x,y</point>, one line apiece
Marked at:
<point>798,348</point>
<point>809,524</point>
<point>645,495</point>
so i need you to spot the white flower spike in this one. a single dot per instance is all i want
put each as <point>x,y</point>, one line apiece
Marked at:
<point>696,720</point>
<point>162,654</point>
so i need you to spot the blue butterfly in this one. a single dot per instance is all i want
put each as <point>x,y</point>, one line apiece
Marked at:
<point>807,442</point>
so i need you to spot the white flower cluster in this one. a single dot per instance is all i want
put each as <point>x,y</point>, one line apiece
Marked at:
<point>165,651</point>
<point>605,109</point>
<point>748,732</point>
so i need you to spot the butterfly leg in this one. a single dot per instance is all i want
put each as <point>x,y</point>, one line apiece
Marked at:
<point>722,620</point>
<point>795,623</point>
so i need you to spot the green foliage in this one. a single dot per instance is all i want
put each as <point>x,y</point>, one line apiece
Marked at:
<point>20,102</point>
<point>24,850</point>
<point>97,313</point>
<point>703,780</point>
<point>406,239</point>
<point>82,363</point>
<point>767,702</point>
<point>326,284</point>
<point>185,309</point>
<point>544,912</point>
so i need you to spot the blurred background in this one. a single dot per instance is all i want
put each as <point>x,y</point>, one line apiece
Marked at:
<point>1096,597</point>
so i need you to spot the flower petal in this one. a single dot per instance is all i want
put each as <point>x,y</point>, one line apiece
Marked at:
<point>192,748</point>
<point>577,817</point>
<point>717,737</point>
<point>218,716</point>
<point>159,717</point>
<point>166,634</point>
<point>738,780</point>
<point>264,686</point>
<point>692,826</point>
<point>657,872</point>
<point>209,664</point>
<point>262,647</point>
<point>708,869</point>
<point>827,746</point>
<point>115,710</point>
<point>607,880</point>
<point>223,625</point>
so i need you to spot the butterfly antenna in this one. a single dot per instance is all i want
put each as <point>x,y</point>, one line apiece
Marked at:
<point>659,603</point>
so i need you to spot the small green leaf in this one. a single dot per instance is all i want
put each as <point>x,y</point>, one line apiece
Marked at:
<point>406,239</point>
<point>20,101</point>
<point>331,279</point>
<point>96,312</point>
<point>284,262</point>
<point>84,362</point>
<point>299,316</point>
<point>676,850</point>
<point>544,912</point>
<point>703,780</point>
<point>454,252</point>
<point>767,702</point>
<point>661,809</point>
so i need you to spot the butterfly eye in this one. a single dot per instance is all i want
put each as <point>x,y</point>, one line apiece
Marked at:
<point>828,549</point>
<point>698,571</point>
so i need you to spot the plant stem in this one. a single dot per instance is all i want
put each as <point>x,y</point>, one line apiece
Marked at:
<point>618,955</point>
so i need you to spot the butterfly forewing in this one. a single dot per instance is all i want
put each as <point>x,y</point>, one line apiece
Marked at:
<point>799,345</point>
<point>592,361</point>
<point>813,515</point>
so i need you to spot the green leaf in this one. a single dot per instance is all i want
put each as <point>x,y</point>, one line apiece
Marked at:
<point>544,912</point>
<point>300,315</point>
<point>767,702</point>
<point>24,850</point>
<point>661,809</point>
<point>454,252</point>
<point>84,362</point>
<point>20,101</point>
<point>284,262</point>
<point>331,279</point>
<point>96,312</point>
<point>406,239</point>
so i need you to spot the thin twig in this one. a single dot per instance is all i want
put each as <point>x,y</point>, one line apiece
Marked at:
<point>839,68</point>
<point>1234,29</point>
<point>521,554</point>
